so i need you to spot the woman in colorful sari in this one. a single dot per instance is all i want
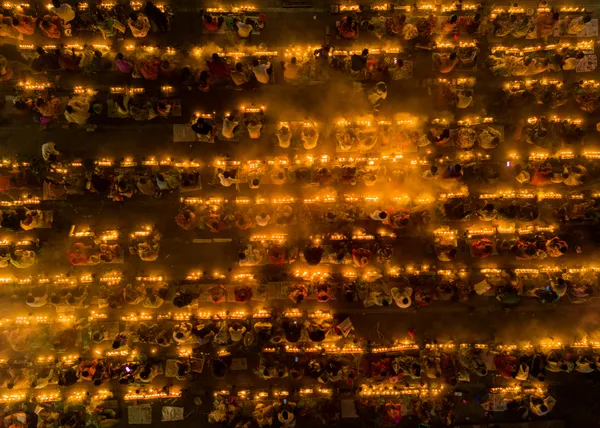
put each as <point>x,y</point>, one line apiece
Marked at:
<point>149,68</point>
<point>139,24</point>
<point>348,28</point>
<point>24,24</point>
<point>51,26</point>
<point>7,28</point>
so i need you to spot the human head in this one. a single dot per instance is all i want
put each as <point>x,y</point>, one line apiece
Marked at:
<point>40,102</point>
<point>468,94</point>
<point>381,87</point>
<point>457,168</point>
<point>580,55</point>
<point>239,66</point>
<point>254,62</point>
<point>56,3</point>
<point>215,57</point>
<point>453,56</point>
<point>365,52</point>
<point>527,60</point>
<point>587,19</point>
<point>433,169</point>
<point>477,17</point>
<point>116,344</point>
<point>544,408</point>
<point>30,299</point>
<point>226,174</point>
<point>382,215</point>
<point>133,16</point>
<point>119,56</point>
<point>69,109</point>
<point>453,19</point>
<point>399,63</point>
<point>293,60</point>
<point>98,54</point>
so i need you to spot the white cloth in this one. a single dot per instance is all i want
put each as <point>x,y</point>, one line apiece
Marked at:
<point>291,71</point>
<point>570,64</point>
<point>463,102</point>
<point>375,95</point>
<point>49,149</point>
<point>260,71</point>
<point>81,113</point>
<point>226,181</point>
<point>228,127</point>
<point>244,30</point>
<point>254,131</point>
<point>64,12</point>
<point>310,142</point>
<point>262,221</point>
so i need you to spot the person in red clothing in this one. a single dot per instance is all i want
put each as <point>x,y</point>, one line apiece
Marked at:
<point>213,24</point>
<point>218,68</point>
<point>69,61</point>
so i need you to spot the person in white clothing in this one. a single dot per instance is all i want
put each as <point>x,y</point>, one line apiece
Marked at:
<point>284,136</point>
<point>261,71</point>
<point>379,215</point>
<point>229,125</point>
<point>310,136</point>
<point>464,99</point>
<point>49,152</point>
<point>254,128</point>
<point>263,219</point>
<point>63,11</point>
<point>245,28</point>
<point>226,179</point>
<point>377,94</point>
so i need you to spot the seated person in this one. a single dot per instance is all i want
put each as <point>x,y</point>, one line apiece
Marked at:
<point>212,23</point>
<point>139,24</point>
<point>284,136</point>
<point>482,248</point>
<point>309,136</point>
<point>78,110</point>
<point>445,62</point>
<point>489,138</point>
<point>574,25</point>
<point>254,126</point>
<point>239,76</point>
<point>149,68</point>
<point>24,24</point>
<point>51,26</point>
<point>202,128</point>
<point>291,70</point>
<point>230,124</point>
<point>348,28</point>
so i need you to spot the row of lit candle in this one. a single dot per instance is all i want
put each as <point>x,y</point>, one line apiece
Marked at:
<point>520,50</point>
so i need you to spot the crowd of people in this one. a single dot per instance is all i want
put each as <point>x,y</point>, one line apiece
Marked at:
<point>439,181</point>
